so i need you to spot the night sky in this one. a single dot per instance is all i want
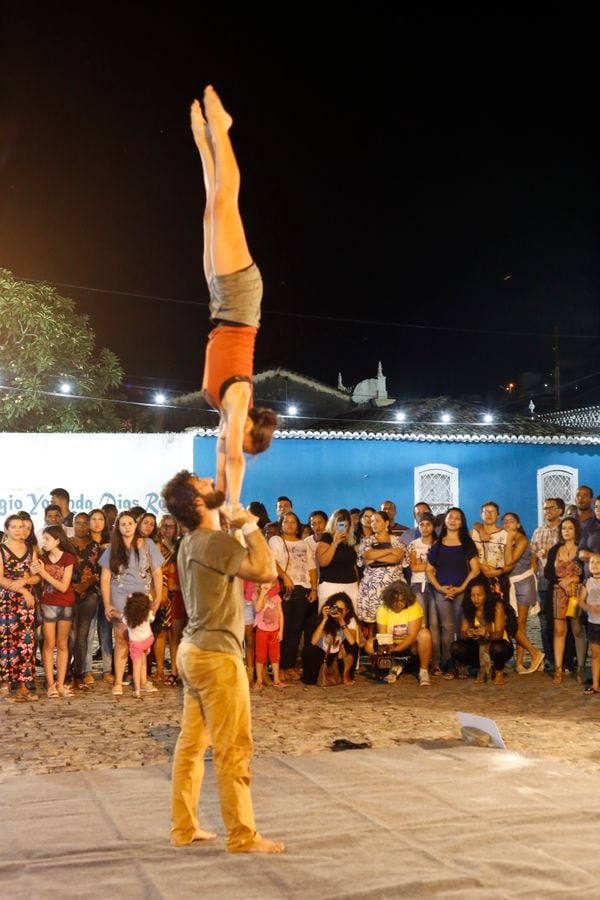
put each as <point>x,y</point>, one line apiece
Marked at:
<point>377,193</point>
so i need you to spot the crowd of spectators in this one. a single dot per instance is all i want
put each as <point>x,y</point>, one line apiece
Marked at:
<point>356,591</point>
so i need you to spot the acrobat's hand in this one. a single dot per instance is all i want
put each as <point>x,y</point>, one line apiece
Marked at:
<point>237,515</point>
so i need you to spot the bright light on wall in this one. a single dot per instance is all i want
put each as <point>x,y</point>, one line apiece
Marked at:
<point>159,399</point>
<point>65,388</point>
<point>292,410</point>
<point>488,418</point>
<point>446,417</point>
<point>400,417</point>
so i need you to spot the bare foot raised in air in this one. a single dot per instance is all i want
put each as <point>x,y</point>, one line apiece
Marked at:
<point>199,126</point>
<point>218,117</point>
<point>200,835</point>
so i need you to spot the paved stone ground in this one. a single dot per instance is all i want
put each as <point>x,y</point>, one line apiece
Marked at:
<point>94,730</point>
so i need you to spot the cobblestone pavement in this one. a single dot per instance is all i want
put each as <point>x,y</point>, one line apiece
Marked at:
<point>94,730</point>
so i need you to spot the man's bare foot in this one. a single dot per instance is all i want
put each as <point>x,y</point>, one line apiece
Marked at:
<point>261,845</point>
<point>217,115</point>
<point>201,835</point>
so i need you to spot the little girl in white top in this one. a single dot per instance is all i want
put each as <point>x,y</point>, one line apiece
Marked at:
<point>138,617</point>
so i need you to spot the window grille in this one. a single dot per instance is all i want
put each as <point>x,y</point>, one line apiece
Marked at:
<point>556,481</point>
<point>437,485</point>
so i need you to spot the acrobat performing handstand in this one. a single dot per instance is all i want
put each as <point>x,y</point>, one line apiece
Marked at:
<point>235,288</point>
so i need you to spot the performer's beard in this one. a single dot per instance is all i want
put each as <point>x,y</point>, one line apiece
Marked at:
<point>213,500</point>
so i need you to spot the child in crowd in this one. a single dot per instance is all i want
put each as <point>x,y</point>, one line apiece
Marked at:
<point>269,631</point>
<point>138,617</point>
<point>589,600</point>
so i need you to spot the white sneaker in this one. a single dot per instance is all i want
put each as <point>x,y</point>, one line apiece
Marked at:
<point>149,688</point>
<point>424,678</point>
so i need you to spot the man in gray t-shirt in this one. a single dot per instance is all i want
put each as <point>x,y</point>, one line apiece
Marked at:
<point>216,706</point>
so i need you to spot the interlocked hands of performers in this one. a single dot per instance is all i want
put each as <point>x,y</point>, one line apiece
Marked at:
<point>237,515</point>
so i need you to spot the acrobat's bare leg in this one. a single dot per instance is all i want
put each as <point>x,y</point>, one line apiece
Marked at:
<point>203,143</point>
<point>230,251</point>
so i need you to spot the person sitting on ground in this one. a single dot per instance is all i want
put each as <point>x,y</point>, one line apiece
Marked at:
<point>401,616</point>
<point>483,640</point>
<point>334,640</point>
<point>235,287</point>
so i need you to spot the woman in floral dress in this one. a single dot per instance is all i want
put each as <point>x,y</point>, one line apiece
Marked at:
<point>384,556</point>
<point>17,613</point>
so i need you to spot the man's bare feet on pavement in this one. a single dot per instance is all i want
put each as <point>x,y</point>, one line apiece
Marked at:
<point>262,845</point>
<point>201,835</point>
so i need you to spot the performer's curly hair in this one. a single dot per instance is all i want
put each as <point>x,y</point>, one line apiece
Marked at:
<point>180,497</point>
<point>137,608</point>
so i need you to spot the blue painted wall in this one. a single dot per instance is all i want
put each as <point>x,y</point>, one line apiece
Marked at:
<point>329,473</point>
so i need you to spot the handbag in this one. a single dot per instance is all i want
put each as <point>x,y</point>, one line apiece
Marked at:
<point>329,675</point>
<point>284,592</point>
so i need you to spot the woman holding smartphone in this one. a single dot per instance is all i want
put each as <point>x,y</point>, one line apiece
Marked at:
<point>336,558</point>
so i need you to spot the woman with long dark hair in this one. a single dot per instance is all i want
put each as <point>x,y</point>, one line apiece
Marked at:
<point>55,568</point>
<point>17,612</point>
<point>88,547</point>
<point>130,565</point>
<point>564,572</point>
<point>483,640</point>
<point>452,563</point>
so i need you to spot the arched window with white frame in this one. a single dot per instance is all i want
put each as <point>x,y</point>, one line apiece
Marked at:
<point>436,484</point>
<point>556,481</point>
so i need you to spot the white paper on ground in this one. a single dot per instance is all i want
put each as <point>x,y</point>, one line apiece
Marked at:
<point>484,724</point>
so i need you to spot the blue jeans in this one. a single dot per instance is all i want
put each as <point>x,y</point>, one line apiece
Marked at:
<point>450,616</point>
<point>106,639</point>
<point>426,600</point>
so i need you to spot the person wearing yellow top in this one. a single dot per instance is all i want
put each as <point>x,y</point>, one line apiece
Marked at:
<point>401,616</point>
<point>483,640</point>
